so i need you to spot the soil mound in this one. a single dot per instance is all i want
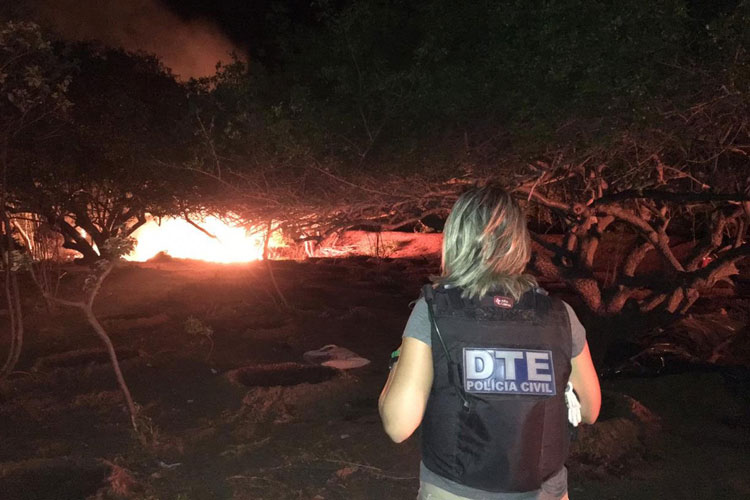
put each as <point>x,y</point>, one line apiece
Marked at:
<point>626,430</point>
<point>60,478</point>
<point>80,357</point>
<point>281,374</point>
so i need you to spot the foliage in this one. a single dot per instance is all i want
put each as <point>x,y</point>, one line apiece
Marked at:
<point>115,159</point>
<point>392,76</point>
<point>234,122</point>
<point>33,82</point>
<point>33,86</point>
<point>380,86</point>
<point>117,247</point>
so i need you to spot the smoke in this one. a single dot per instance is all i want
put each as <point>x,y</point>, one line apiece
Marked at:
<point>188,48</point>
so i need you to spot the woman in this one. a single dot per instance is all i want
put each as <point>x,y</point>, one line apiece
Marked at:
<point>484,362</point>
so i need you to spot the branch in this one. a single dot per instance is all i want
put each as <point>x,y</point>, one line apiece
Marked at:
<point>73,238</point>
<point>730,256</point>
<point>543,200</point>
<point>581,281</point>
<point>555,249</point>
<point>659,239</point>
<point>98,283</point>
<point>210,143</point>
<point>71,303</point>
<point>140,222</point>
<point>196,226</point>
<point>635,257</point>
<point>49,296</point>
<point>655,194</point>
<point>344,181</point>
<point>713,239</point>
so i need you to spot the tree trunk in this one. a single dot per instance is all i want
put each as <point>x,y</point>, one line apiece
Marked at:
<point>266,239</point>
<point>74,241</point>
<point>87,307</point>
<point>13,300</point>
<point>268,265</point>
<point>101,332</point>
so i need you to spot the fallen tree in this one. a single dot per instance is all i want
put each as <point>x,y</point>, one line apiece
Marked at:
<point>676,188</point>
<point>656,190</point>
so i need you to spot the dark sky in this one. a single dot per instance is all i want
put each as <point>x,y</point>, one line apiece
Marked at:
<point>190,36</point>
<point>241,20</point>
<point>188,42</point>
<point>253,24</point>
<point>247,21</point>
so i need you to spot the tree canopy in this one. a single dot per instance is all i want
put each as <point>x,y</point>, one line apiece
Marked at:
<point>95,150</point>
<point>389,79</point>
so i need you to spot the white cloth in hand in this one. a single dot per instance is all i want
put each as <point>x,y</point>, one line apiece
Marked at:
<point>574,406</point>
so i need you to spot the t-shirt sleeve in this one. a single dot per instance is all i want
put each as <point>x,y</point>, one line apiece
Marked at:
<point>577,330</point>
<point>418,325</point>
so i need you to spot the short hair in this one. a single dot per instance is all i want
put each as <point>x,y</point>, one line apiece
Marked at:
<point>486,244</point>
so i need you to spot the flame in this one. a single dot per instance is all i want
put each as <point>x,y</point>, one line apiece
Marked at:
<point>178,238</point>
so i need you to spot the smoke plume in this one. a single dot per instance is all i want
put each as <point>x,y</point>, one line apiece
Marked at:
<point>188,48</point>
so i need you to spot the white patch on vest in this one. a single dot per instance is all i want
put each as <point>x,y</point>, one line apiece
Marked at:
<point>508,371</point>
<point>503,302</point>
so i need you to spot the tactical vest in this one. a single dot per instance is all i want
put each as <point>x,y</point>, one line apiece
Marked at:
<point>496,418</point>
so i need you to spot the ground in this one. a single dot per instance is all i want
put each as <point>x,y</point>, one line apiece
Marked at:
<point>215,425</point>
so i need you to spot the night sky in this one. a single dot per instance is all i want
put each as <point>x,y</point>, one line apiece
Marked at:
<point>191,35</point>
<point>254,23</point>
<point>246,22</point>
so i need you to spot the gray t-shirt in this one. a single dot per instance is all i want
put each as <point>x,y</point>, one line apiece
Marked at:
<point>418,327</point>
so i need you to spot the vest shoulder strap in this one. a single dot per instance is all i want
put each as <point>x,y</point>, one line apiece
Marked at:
<point>454,369</point>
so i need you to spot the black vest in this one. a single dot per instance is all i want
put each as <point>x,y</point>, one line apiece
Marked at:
<point>496,418</point>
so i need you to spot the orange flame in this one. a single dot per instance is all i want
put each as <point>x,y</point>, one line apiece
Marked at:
<point>177,238</point>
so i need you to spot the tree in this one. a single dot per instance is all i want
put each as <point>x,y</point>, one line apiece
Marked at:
<point>33,86</point>
<point>98,178</point>
<point>91,155</point>
<point>115,248</point>
<point>404,84</point>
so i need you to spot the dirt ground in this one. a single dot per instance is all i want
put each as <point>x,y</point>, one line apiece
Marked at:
<point>209,431</point>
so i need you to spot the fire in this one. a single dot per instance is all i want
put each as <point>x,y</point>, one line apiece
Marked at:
<point>178,238</point>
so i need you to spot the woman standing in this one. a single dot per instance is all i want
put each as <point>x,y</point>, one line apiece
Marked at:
<point>484,363</point>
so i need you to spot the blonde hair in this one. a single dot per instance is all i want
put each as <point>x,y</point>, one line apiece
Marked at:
<point>486,244</point>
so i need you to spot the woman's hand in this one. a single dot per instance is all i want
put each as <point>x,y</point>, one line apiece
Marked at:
<point>404,397</point>
<point>586,384</point>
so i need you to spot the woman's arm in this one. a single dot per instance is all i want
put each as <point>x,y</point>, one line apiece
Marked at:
<point>586,384</point>
<point>405,394</point>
